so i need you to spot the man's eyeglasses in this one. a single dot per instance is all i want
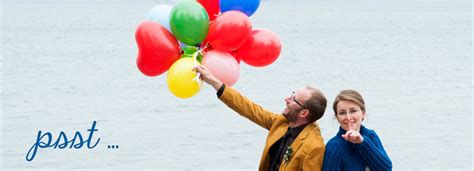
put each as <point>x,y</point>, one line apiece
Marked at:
<point>297,102</point>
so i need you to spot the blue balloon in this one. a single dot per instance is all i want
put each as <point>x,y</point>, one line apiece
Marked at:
<point>160,14</point>
<point>246,6</point>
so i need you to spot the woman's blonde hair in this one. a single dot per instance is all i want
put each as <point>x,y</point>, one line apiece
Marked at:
<point>350,95</point>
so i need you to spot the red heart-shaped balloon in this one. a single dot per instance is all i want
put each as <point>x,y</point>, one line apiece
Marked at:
<point>157,48</point>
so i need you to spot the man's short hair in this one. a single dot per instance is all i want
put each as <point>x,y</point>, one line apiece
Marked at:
<point>316,104</point>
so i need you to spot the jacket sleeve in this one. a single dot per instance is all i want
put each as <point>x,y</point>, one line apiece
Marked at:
<point>247,108</point>
<point>372,151</point>
<point>314,159</point>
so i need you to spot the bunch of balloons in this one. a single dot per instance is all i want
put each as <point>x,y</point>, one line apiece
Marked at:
<point>215,33</point>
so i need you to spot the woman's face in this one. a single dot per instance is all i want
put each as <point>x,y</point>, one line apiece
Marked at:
<point>349,115</point>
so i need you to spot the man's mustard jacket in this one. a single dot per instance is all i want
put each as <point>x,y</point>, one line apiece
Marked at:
<point>308,147</point>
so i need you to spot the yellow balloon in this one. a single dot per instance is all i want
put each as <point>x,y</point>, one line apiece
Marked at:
<point>180,78</point>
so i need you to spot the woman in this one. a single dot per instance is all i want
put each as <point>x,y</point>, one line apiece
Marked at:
<point>355,147</point>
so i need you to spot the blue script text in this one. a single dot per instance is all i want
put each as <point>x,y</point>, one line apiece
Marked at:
<point>45,140</point>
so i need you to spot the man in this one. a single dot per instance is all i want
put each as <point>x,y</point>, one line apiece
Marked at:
<point>294,141</point>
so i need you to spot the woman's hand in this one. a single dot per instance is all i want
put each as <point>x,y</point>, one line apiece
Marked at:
<point>353,137</point>
<point>207,77</point>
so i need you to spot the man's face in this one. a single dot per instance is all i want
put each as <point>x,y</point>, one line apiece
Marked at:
<point>294,104</point>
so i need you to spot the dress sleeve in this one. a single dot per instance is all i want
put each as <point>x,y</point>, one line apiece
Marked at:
<point>373,153</point>
<point>247,108</point>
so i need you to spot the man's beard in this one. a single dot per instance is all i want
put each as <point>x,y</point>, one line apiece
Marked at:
<point>292,115</point>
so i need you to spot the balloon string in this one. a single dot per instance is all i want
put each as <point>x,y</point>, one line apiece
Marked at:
<point>196,63</point>
<point>204,48</point>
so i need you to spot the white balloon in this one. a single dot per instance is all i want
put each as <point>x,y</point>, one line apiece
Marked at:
<point>161,14</point>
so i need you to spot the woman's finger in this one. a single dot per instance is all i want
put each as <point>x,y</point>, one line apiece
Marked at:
<point>347,135</point>
<point>344,136</point>
<point>353,134</point>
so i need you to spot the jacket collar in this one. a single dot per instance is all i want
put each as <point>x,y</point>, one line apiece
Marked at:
<point>299,140</point>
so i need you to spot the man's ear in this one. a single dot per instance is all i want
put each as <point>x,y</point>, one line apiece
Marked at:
<point>304,113</point>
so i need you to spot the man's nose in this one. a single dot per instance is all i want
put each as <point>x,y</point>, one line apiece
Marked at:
<point>288,99</point>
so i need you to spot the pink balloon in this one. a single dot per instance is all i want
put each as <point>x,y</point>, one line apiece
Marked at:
<point>222,65</point>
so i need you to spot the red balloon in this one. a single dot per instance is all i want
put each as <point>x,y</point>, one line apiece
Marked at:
<point>261,49</point>
<point>207,49</point>
<point>229,31</point>
<point>236,57</point>
<point>212,8</point>
<point>157,48</point>
<point>205,44</point>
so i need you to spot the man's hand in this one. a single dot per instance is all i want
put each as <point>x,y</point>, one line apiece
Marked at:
<point>207,77</point>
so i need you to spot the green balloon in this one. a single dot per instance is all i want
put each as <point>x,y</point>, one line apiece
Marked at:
<point>189,22</point>
<point>188,52</point>
<point>189,49</point>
